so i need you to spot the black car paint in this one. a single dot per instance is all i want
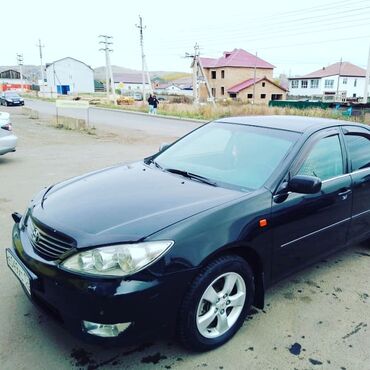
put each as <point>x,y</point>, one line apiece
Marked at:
<point>217,221</point>
<point>13,99</point>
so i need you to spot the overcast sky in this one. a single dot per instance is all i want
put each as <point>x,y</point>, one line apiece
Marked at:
<point>296,36</point>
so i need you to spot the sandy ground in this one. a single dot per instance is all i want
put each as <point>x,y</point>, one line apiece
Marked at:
<point>317,319</point>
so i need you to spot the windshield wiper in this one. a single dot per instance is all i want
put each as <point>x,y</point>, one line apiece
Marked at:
<point>151,160</point>
<point>192,176</point>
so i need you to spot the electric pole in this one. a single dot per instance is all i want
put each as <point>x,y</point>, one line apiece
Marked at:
<point>254,79</point>
<point>198,69</point>
<point>367,78</point>
<point>106,41</point>
<point>20,63</point>
<point>144,67</point>
<point>40,46</point>
<point>338,81</point>
<point>195,74</point>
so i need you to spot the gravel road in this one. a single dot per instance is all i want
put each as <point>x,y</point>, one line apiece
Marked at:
<point>317,319</point>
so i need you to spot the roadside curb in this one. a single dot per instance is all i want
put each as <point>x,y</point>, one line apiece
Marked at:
<point>139,113</point>
<point>152,115</point>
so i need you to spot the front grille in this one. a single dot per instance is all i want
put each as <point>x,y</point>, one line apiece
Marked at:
<point>46,243</point>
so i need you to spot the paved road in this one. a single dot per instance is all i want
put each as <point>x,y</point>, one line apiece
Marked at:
<point>100,118</point>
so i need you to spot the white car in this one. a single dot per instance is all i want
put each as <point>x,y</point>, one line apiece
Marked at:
<point>8,140</point>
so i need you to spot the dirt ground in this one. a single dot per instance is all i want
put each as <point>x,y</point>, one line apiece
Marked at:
<point>317,319</point>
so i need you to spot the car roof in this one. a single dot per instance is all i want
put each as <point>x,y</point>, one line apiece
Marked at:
<point>289,123</point>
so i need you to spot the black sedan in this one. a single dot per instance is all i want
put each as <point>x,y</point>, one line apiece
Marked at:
<point>187,240</point>
<point>11,98</point>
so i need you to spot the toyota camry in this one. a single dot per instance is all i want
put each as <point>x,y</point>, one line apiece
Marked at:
<point>188,239</point>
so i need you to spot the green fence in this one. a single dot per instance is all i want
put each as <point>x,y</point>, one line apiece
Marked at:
<point>299,104</point>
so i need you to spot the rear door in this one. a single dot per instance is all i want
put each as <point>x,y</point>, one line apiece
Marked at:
<point>357,141</point>
<point>307,226</point>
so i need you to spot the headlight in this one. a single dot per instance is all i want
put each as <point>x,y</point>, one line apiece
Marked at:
<point>117,260</point>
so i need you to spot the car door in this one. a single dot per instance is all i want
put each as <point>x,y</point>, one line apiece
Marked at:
<point>357,141</point>
<point>307,226</point>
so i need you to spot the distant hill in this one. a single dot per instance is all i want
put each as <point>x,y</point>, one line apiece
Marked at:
<point>33,74</point>
<point>164,76</point>
<point>99,72</point>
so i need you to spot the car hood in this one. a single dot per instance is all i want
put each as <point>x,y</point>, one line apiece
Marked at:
<point>124,203</point>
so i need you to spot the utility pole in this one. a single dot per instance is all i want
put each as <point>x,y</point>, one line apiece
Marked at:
<point>254,78</point>
<point>40,46</point>
<point>20,63</point>
<point>340,69</point>
<point>106,41</point>
<point>195,74</point>
<point>198,69</point>
<point>144,66</point>
<point>366,90</point>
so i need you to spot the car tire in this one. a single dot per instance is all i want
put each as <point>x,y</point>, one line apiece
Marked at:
<point>216,304</point>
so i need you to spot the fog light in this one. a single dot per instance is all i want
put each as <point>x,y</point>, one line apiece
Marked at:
<point>105,330</point>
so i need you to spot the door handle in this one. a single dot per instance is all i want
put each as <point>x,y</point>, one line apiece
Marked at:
<point>344,194</point>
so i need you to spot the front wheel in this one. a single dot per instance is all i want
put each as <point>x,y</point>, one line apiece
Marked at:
<point>216,304</point>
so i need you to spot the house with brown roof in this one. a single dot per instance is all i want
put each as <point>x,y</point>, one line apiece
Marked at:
<point>338,81</point>
<point>241,75</point>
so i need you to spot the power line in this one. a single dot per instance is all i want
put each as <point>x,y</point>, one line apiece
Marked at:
<point>286,25</point>
<point>279,17</point>
<point>315,42</point>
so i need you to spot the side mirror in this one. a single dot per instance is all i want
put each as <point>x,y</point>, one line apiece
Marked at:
<point>164,146</point>
<point>305,184</point>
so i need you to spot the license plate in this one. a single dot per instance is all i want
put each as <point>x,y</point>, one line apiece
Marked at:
<point>19,271</point>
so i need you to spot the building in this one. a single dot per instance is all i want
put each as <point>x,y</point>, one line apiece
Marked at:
<point>129,83</point>
<point>338,81</point>
<point>173,88</point>
<point>233,74</point>
<point>264,89</point>
<point>10,79</point>
<point>69,76</point>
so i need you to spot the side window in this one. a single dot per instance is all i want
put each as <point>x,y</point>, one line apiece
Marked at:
<point>359,150</point>
<point>325,159</point>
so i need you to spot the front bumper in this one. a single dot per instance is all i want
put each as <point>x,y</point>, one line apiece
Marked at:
<point>150,303</point>
<point>12,103</point>
<point>8,144</point>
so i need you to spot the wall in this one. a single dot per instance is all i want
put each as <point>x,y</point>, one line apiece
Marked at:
<point>131,87</point>
<point>268,89</point>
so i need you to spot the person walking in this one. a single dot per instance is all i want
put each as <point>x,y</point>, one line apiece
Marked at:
<point>150,103</point>
<point>155,104</point>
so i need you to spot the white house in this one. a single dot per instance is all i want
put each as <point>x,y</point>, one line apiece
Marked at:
<point>342,78</point>
<point>174,89</point>
<point>129,83</point>
<point>69,76</point>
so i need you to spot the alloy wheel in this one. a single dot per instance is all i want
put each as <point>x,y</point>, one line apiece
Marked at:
<point>221,305</point>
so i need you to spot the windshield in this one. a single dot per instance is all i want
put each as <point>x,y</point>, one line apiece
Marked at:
<point>232,154</point>
<point>12,94</point>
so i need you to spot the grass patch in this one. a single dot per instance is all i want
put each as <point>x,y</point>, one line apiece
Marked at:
<point>227,109</point>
